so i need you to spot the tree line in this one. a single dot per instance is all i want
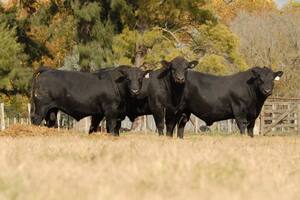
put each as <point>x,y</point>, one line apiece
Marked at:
<point>225,36</point>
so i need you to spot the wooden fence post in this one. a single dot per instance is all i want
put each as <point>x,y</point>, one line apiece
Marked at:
<point>262,122</point>
<point>102,126</point>
<point>7,122</point>
<point>29,114</point>
<point>2,121</point>
<point>58,119</point>
<point>257,126</point>
<point>145,124</point>
<point>196,124</point>
<point>229,124</point>
<point>298,118</point>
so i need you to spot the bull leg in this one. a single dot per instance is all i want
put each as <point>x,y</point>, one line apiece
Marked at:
<point>118,126</point>
<point>36,119</point>
<point>240,115</point>
<point>242,124</point>
<point>95,121</point>
<point>51,118</point>
<point>250,128</point>
<point>182,122</point>
<point>37,115</point>
<point>112,126</point>
<point>170,124</point>
<point>171,120</point>
<point>159,121</point>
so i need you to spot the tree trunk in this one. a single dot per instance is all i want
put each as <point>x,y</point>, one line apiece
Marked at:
<point>140,54</point>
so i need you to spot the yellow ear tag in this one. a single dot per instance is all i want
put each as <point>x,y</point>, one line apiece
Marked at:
<point>277,78</point>
<point>147,76</point>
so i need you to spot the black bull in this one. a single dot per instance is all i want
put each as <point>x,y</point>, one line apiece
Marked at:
<point>214,98</point>
<point>81,94</point>
<point>160,94</point>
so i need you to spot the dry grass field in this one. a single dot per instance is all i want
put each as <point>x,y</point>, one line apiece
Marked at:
<point>41,163</point>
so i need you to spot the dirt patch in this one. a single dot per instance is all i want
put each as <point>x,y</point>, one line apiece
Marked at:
<point>19,130</point>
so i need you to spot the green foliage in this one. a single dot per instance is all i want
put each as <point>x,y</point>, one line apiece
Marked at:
<point>157,44</point>
<point>15,106</point>
<point>172,13</point>
<point>13,76</point>
<point>216,42</point>
<point>94,36</point>
<point>34,49</point>
<point>213,64</point>
<point>88,11</point>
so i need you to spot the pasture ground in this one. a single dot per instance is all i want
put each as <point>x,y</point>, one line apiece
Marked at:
<point>41,163</point>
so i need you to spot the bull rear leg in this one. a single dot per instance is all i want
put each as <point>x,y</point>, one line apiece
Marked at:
<point>95,121</point>
<point>182,122</point>
<point>51,118</point>
<point>36,119</point>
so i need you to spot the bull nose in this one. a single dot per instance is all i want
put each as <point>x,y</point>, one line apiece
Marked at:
<point>134,91</point>
<point>180,79</point>
<point>267,91</point>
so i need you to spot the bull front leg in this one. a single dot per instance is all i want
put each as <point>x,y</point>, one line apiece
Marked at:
<point>159,121</point>
<point>240,115</point>
<point>171,121</point>
<point>250,128</point>
<point>112,126</point>
<point>185,117</point>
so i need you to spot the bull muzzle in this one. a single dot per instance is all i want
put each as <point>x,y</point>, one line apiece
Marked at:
<point>135,91</point>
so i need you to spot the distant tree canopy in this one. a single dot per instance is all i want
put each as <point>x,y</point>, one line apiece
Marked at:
<point>87,35</point>
<point>13,74</point>
<point>274,42</point>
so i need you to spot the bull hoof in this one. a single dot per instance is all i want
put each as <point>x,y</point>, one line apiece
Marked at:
<point>250,135</point>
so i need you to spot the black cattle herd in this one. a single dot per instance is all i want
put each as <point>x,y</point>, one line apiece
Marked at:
<point>171,94</point>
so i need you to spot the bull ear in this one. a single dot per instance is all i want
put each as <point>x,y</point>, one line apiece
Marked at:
<point>118,76</point>
<point>165,69</point>
<point>123,69</point>
<point>277,75</point>
<point>120,73</point>
<point>256,72</point>
<point>193,64</point>
<point>165,63</point>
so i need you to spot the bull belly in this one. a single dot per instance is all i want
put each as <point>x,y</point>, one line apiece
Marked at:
<point>80,111</point>
<point>211,116</point>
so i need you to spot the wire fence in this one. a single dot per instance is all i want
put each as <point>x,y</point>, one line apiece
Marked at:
<point>147,123</point>
<point>277,115</point>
